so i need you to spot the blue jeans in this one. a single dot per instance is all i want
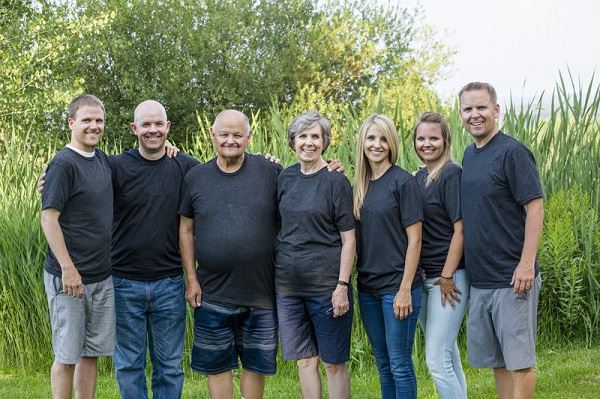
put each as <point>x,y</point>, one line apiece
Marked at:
<point>392,341</point>
<point>150,314</point>
<point>441,326</point>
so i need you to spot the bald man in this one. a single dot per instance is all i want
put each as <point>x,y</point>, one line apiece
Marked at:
<point>146,265</point>
<point>229,224</point>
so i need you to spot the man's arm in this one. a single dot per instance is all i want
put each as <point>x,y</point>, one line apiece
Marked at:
<point>524,274</point>
<point>71,280</point>
<point>186,248</point>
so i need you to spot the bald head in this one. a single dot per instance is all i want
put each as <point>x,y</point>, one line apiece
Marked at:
<point>151,127</point>
<point>149,107</point>
<point>231,117</point>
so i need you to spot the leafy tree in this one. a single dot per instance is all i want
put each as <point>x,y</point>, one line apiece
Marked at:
<point>38,47</point>
<point>206,55</point>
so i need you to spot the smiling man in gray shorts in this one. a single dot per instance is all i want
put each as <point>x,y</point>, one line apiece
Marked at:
<point>502,208</point>
<point>76,219</point>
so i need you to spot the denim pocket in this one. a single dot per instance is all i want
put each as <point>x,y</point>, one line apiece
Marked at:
<point>118,281</point>
<point>57,283</point>
<point>176,279</point>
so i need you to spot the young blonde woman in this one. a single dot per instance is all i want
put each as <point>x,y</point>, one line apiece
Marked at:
<point>387,205</point>
<point>446,287</point>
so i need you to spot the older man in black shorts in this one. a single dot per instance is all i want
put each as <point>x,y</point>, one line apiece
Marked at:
<point>229,224</point>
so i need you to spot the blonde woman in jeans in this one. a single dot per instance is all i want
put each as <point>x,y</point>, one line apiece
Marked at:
<point>387,205</point>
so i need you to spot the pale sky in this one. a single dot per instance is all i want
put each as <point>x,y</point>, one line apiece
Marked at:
<point>516,45</point>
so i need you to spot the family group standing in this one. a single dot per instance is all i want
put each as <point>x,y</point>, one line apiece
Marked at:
<point>268,255</point>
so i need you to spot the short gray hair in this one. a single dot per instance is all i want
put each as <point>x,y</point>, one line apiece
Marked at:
<point>480,86</point>
<point>239,114</point>
<point>307,120</point>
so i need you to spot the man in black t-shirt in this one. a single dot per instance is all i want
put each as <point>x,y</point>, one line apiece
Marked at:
<point>76,220</point>
<point>502,209</point>
<point>229,224</point>
<point>146,265</point>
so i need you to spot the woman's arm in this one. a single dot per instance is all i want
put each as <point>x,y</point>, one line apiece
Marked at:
<point>339,298</point>
<point>403,299</point>
<point>450,292</point>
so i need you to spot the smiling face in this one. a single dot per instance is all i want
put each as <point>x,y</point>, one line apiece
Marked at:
<point>478,115</point>
<point>87,127</point>
<point>376,147</point>
<point>151,128</point>
<point>429,142</point>
<point>230,135</point>
<point>308,144</point>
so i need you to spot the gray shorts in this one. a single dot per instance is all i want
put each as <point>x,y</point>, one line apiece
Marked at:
<point>81,327</point>
<point>501,328</point>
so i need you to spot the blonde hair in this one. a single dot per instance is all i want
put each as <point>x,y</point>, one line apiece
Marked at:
<point>446,156</point>
<point>363,172</point>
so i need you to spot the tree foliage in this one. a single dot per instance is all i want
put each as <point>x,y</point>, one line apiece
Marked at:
<point>205,55</point>
<point>38,53</point>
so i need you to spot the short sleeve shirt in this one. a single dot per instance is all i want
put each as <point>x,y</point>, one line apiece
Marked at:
<point>392,203</point>
<point>314,209</point>
<point>145,242</point>
<point>498,179</point>
<point>80,189</point>
<point>235,225</point>
<point>441,209</point>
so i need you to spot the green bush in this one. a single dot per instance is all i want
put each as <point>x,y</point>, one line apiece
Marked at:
<point>570,262</point>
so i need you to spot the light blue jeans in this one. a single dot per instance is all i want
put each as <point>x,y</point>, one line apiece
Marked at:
<point>392,341</point>
<point>441,326</point>
<point>150,315</point>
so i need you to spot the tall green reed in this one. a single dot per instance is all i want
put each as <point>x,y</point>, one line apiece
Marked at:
<point>24,326</point>
<point>564,138</point>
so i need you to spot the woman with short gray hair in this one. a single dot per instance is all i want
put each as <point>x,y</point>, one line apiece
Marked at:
<point>315,253</point>
<point>307,120</point>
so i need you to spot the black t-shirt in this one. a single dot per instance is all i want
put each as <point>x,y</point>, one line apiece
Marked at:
<point>80,189</point>
<point>497,180</point>
<point>441,209</point>
<point>393,202</point>
<point>235,221</point>
<point>146,221</point>
<point>314,209</point>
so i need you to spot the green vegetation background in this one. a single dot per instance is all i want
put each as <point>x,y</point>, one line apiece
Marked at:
<point>274,60</point>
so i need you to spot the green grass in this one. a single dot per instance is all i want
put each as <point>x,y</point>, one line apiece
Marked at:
<point>563,373</point>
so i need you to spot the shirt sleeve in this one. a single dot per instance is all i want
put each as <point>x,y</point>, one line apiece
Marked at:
<point>185,203</point>
<point>56,188</point>
<point>343,206</point>
<point>451,197</point>
<point>522,175</point>
<point>410,202</point>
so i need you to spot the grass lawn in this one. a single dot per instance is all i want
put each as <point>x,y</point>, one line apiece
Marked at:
<point>562,374</point>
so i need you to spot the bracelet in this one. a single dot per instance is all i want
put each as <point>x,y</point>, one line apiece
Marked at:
<point>446,278</point>
<point>342,282</point>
